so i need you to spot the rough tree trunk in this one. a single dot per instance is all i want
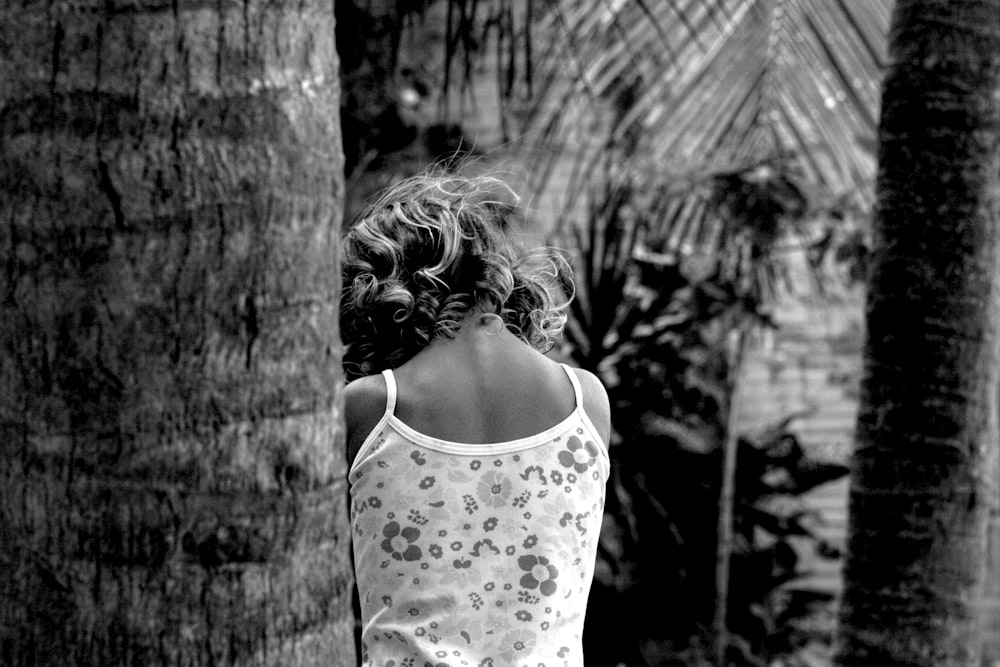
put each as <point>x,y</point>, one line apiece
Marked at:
<point>171,468</point>
<point>920,495</point>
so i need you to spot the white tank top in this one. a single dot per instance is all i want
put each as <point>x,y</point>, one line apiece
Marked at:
<point>476,554</point>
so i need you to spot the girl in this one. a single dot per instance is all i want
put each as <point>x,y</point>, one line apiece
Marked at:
<point>479,465</point>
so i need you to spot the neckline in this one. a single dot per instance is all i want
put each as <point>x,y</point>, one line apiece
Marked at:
<point>484,448</point>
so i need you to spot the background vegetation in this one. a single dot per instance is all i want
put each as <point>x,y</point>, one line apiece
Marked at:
<point>671,148</point>
<point>677,150</point>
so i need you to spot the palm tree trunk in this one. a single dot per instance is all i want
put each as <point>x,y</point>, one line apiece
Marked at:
<point>920,496</point>
<point>171,475</point>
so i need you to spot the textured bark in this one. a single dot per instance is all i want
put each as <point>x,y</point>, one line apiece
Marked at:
<point>171,461</point>
<point>920,495</point>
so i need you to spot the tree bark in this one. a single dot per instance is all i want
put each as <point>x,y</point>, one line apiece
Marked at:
<point>920,489</point>
<point>171,463</point>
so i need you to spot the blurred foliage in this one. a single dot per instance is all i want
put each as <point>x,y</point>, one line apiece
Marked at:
<point>693,145</point>
<point>654,325</point>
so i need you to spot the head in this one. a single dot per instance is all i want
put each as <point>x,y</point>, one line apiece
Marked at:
<point>432,250</point>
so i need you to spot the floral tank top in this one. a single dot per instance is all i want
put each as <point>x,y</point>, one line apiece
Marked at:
<point>476,554</point>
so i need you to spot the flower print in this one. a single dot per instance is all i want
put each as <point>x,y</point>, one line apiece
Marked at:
<point>522,499</point>
<point>496,623</point>
<point>539,575</point>
<point>442,533</point>
<point>399,543</point>
<point>415,611</point>
<point>375,502</point>
<point>523,615</point>
<point>439,501</point>
<point>497,462</point>
<point>425,566</point>
<point>427,482</point>
<point>494,488</point>
<point>556,477</point>
<point>458,623</point>
<point>481,547</point>
<point>475,464</point>
<point>554,510</point>
<point>530,541</point>
<point>526,597</point>
<point>571,478</point>
<point>509,527</point>
<point>510,550</point>
<point>489,586</point>
<point>578,455</point>
<point>367,524</point>
<point>420,631</point>
<point>435,550</point>
<point>502,571</point>
<point>387,600</point>
<point>456,545</point>
<point>517,644</point>
<point>461,573</point>
<point>490,524</point>
<point>415,516</point>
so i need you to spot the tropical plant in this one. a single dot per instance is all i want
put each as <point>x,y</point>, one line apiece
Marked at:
<point>706,127</point>
<point>655,326</point>
<point>694,86</point>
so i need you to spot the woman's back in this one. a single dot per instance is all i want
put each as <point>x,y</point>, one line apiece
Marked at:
<point>483,386</point>
<point>477,553</point>
<point>478,474</point>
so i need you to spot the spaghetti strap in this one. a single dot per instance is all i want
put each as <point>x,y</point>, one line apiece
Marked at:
<point>390,392</point>
<point>578,392</point>
<point>577,389</point>
<point>390,405</point>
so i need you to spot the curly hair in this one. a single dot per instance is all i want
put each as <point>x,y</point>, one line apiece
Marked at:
<point>429,250</point>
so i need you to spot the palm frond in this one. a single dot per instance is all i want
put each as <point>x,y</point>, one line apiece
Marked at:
<point>681,85</point>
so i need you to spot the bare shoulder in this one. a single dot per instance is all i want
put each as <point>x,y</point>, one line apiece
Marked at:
<point>364,405</point>
<point>595,402</point>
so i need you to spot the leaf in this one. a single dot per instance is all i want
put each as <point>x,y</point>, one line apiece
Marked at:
<point>685,437</point>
